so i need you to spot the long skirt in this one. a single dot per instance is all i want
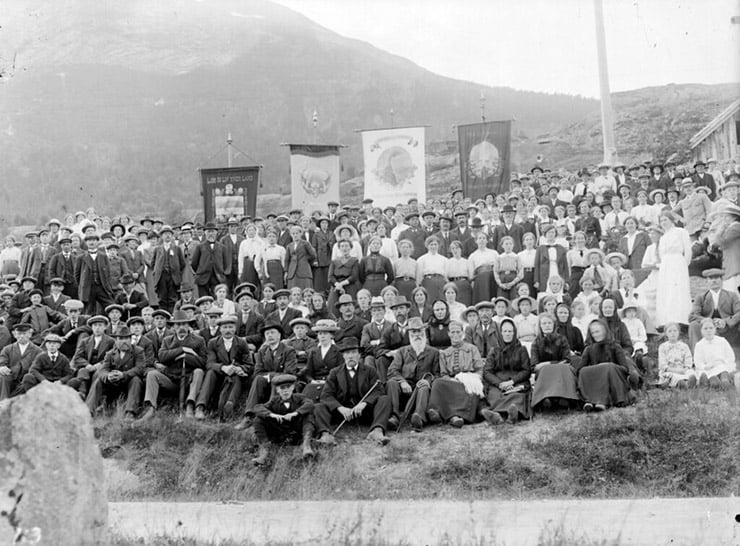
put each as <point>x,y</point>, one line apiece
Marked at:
<point>321,279</point>
<point>275,273</point>
<point>434,285</point>
<point>528,279</point>
<point>249,274</point>
<point>464,291</point>
<point>673,296</point>
<point>405,285</point>
<point>450,399</point>
<point>483,286</point>
<point>375,283</point>
<point>574,283</point>
<point>506,277</point>
<point>10,267</point>
<point>604,383</point>
<point>555,380</point>
<point>300,282</point>
<point>500,402</point>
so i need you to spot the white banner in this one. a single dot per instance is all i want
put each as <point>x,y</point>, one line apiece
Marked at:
<point>395,168</point>
<point>314,173</point>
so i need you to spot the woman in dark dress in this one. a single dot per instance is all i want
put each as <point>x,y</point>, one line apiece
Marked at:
<point>375,270</point>
<point>322,241</point>
<point>420,305</point>
<point>603,377</point>
<point>621,336</point>
<point>437,329</point>
<point>565,327</point>
<point>506,375</point>
<point>344,273</point>
<point>555,382</point>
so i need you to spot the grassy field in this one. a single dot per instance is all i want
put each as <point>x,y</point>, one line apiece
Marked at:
<point>668,444</point>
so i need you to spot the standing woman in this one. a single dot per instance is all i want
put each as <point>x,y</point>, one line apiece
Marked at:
<point>430,269</point>
<point>375,270</point>
<point>388,247</point>
<point>526,258</point>
<point>577,263</point>
<point>673,299</point>
<point>300,258</point>
<point>550,260</point>
<point>404,269</point>
<point>483,261</point>
<point>437,329</point>
<point>248,250</point>
<point>322,241</point>
<point>270,262</point>
<point>460,271</point>
<point>10,258</point>
<point>555,377</point>
<point>344,273</point>
<point>508,270</point>
<point>603,376</point>
<point>506,375</point>
<point>348,232</point>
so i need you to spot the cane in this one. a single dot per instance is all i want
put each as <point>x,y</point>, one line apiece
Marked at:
<point>182,388</point>
<point>360,402</point>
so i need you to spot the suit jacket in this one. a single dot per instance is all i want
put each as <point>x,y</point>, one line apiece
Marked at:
<point>319,368</point>
<point>323,243</point>
<point>5,337</point>
<point>157,340</point>
<point>218,356</point>
<point>634,259</point>
<point>284,238</point>
<point>19,365</point>
<point>417,236</point>
<point>65,327</point>
<point>207,261</point>
<point>231,251</point>
<point>299,259</point>
<point>542,265</point>
<point>44,369</point>
<point>42,318</point>
<point>137,298</point>
<point>62,267</point>
<point>444,243</point>
<point>148,347</point>
<point>38,263</point>
<point>283,360</point>
<point>85,349</point>
<point>729,307</point>
<point>486,342</point>
<point>134,261</point>
<point>251,330</point>
<point>352,328</point>
<point>391,339</point>
<point>171,351</point>
<point>298,403</point>
<point>372,332</point>
<point>58,305</point>
<point>84,274</point>
<point>410,367</point>
<point>707,180</point>
<point>176,263</point>
<point>336,389</point>
<point>516,232</point>
<point>132,364</point>
<point>290,314</point>
<point>206,334</point>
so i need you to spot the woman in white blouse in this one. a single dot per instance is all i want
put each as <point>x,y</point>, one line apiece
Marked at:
<point>673,299</point>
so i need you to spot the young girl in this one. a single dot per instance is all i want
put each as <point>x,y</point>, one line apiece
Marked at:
<point>267,305</point>
<point>714,358</point>
<point>582,317</point>
<point>675,364</point>
<point>555,289</point>
<point>637,332</point>
<point>526,259</point>
<point>296,301</point>
<point>500,310</point>
<point>508,269</point>
<point>587,294</point>
<point>525,321</point>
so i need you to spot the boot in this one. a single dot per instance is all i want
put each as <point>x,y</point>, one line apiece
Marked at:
<point>148,414</point>
<point>327,439</point>
<point>263,455</point>
<point>189,410</point>
<point>307,450</point>
<point>199,413</point>
<point>243,424</point>
<point>377,435</point>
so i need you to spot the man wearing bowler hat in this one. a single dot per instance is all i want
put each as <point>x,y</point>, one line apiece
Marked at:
<point>349,324</point>
<point>132,301</point>
<point>703,178</point>
<point>507,228</point>
<point>283,314</point>
<point>56,298</point>
<point>209,262</point>
<point>90,353</point>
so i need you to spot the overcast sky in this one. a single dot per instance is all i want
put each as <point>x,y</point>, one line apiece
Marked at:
<point>547,45</point>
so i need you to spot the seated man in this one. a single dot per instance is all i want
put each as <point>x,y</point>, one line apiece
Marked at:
<point>181,358</point>
<point>72,328</point>
<point>132,301</point>
<point>40,316</point>
<point>286,418</point>
<point>352,392</point>
<point>56,299</point>
<point>139,339</point>
<point>250,322</point>
<point>120,373</point>
<point>16,360</point>
<point>722,306</point>
<point>393,337</point>
<point>89,355</point>
<point>49,365</point>
<point>415,364</point>
<point>349,324</point>
<point>228,367</point>
<point>302,343</point>
<point>373,331</point>
<point>273,358</point>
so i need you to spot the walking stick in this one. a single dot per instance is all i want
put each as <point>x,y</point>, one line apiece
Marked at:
<point>182,388</point>
<point>360,402</point>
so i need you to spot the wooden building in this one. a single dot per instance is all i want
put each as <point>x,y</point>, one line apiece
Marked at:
<point>720,138</point>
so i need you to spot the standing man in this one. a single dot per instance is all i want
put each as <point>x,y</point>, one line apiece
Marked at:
<point>92,275</point>
<point>703,178</point>
<point>209,262</point>
<point>231,242</point>
<point>415,234</point>
<point>62,266</point>
<point>167,265</point>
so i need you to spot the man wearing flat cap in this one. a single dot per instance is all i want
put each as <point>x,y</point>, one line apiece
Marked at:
<point>228,368</point>
<point>40,316</point>
<point>62,266</point>
<point>92,276</point>
<point>248,321</point>
<point>49,365</point>
<point>160,330</point>
<point>72,327</point>
<point>283,314</point>
<point>287,417</point>
<point>721,305</point>
<point>16,360</point>
<point>90,354</point>
<point>21,301</point>
<point>120,373</point>
<point>414,233</point>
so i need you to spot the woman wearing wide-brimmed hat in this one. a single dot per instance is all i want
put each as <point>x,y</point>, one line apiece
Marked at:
<point>322,359</point>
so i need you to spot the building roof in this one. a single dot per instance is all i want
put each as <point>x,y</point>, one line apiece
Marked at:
<point>710,127</point>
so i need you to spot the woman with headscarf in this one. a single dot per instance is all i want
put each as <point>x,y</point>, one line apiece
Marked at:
<point>375,270</point>
<point>506,375</point>
<point>438,323</point>
<point>620,335</point>
<point>318,309</point>
<point>603,376</point>
<point>344,273</point>
<point>555,382</point>
<point>456,393</point>
<point>565,327</point>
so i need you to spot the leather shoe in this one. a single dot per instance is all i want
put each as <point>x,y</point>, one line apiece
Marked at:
<point>456,422</point>
<point>416,422</point>
<point>199,413</point>
<point>376,435</point>
<point>493,418</point>
<point>434,416</point>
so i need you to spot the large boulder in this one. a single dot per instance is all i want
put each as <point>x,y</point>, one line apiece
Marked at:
<point>51,470</point>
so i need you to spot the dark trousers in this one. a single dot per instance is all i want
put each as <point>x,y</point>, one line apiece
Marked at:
<point>30,381</point>
<point>381,365</point>
<point>99,299</point>
<point>71,289</point>
<point>397,397</point>
<point>259,393</point>
<point>232,279</point>
<point>81,381</point>
<point>166,292</point>
<point>206,289</point>
<point>7,386</point>
<point>130,387</point>
<point>229,387</point>
<point>267,429</point>
<point>376,414</point>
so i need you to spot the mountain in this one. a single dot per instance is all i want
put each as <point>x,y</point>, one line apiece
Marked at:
<point>117,104</point>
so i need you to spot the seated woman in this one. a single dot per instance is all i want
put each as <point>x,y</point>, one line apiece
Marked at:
<point>319,309</point>
<point>389,295</point>
<point>603,376</point>
<point>714,358</point>
<point>420,305</point>
<point>555,378</point>
<point>455,395</point>
<point>221,302</point>
<point>437,329</point>
<point>675,363</point>
<point>506,375</point>
<point>565,327</point>
<point>621,336</point>
<point>455,307</point>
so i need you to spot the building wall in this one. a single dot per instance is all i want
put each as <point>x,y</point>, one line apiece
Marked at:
<point>722,144</point>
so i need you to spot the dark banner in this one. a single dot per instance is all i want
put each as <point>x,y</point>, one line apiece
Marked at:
<point>485,150</point>
<point>229,191</point>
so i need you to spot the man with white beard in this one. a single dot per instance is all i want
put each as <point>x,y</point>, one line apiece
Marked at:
<point>415,366</point>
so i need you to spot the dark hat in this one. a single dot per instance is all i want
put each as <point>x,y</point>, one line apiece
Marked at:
<point>244,292</point>
<point>389,208</point>
<point>400,301</point>
<point>166,229</point>
<point>714,272</point>
<point>65,240</point>
<point>96,319</point>
<point>272,326</point>
<point>127,279</point>
<point>107,235</point>
<point>536,168</point>
<point>181,317</point>
<point>281,292</point>
<point>210,226</point>
<point>22,326</point>
<point>332,204</point>
<point>114,307</point>
<point>241,286</point>
<point>145,219</point>
<point>203,299</point>
<point>122,331</point>
<point>228,319</point>
<point>300,320</point>
<point>36,291</point>
<point>92,237</point>
<point>120,225</point>
<point>232,222</point>
<point>186,288</point>
<point>344,299</point>
<point>428,213</point>
<point>411,215</point>
<point>112,245</point>
<point>699,162</point>
<point>57,280</point>
<point>507,208</point>
<point>284,379</point>
<point>348,344</point>
<point>188,307</point>
<point>135,320</point>
<point>476,223</point>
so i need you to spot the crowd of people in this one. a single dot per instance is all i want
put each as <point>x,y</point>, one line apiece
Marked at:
<point>550,296</point>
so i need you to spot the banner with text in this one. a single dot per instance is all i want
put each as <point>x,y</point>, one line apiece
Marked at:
<point>229,191</point>
<point>314,176</point>
<point>485,151</point>
<point>395,169</point>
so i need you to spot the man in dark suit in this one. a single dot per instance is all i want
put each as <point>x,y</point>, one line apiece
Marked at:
<point>231,242</point>
<point>90,353</point>
<point>72,328</point>
<point>340,398</point>
<point>56,299</point>
<point>349,324</point>
<point>139,339</point>
<point>39,258</point>
<point>16,360</point>
<point>721,305</point>
<point>444,235</point>
<point>209,262</point>
<point>131,300</point>
<point>462,232</point>
<point>633,245</point>
<point>159,331</point>
<point>228,367</point>
<point>62,266</point>
<point>167,266</point>
<point>283,314</point>
<point>120,373</point>
<point>372,332</point>
<point>507,228</point>
<point>49,365</point>
<point>273,358</point>
<point>211,329</point>
<point>393,337</point>
<point>248,321</point>
<point>415,234</point>
<point>92,275</point>
<point>485,336</point>
<point>703,178</point>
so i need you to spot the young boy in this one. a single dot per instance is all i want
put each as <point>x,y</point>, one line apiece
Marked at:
<point>40,316</point>
<point>301,342</point>
<point>637,332</point>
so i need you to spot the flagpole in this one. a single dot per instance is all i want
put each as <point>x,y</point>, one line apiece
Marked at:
<point>482,107</point>
<point>393,115</point>
<point>229,151</point>
<point>607,114</point>
<point>315,123</point>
